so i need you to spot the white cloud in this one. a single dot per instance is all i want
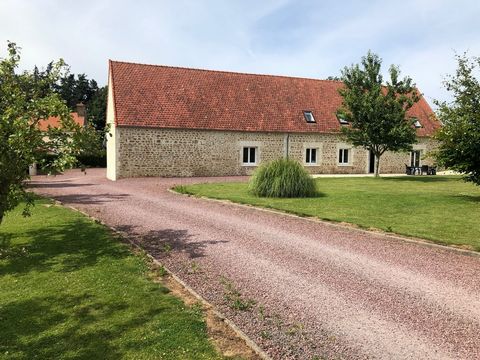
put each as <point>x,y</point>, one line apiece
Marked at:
<point>299,38</point>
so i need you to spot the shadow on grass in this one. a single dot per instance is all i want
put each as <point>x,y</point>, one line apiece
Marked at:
<point>418,178</point>
<point>69,247</point>
<point>27,325</point>
<point>470,198</point>
<point>160,243</point>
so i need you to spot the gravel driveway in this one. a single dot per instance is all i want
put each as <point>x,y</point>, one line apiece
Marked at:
<point>319,289</point>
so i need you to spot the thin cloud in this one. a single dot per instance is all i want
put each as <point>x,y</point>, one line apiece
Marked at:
<point>297,38</point>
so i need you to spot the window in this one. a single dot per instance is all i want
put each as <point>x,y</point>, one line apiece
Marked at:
<point>342,120</point>
<point>309,116</point>
<point>311,156</point>
<point>250,155</point>
<point>343,156</point>
<point>415,158</point>
<point>416,123</point>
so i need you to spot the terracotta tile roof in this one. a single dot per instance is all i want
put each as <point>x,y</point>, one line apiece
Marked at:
<point>172,97</point>
<point>54,121</point>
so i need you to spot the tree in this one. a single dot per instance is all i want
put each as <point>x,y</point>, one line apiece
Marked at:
<point>25,99</point>
<point>75,89</point>
<point>97,108</point>
<point>459,137</point>
<point>376,112</point>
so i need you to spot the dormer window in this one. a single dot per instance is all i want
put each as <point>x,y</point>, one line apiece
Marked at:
<point>417,123</point>
<point>342,120</point>
<point>309,117</point>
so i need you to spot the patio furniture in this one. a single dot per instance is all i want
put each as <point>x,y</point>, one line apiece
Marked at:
<point>408,170</point>
<point>432,170</point>
<point>424,170</point>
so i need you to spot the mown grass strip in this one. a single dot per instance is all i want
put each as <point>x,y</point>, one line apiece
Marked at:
<point>69,289</point>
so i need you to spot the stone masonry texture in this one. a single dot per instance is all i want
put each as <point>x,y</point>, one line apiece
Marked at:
<point>188,152</point>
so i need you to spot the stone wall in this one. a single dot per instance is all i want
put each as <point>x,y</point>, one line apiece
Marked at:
<point>176,152</point>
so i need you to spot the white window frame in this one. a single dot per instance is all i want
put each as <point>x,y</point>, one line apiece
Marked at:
<point>249,162</point>
<point>308,161</point>
<point>341,150</point>
<point>309,118</point>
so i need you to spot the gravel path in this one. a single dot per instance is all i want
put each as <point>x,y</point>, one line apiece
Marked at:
<point>319,289</point>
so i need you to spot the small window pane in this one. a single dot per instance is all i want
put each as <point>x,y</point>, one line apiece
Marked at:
<point>314,156</point>
<point>252,155</point>
<point>307,158</point>
<point>340,156</point>
<point>309,116</point>
<point>245,155</point>
<point>345,156</point>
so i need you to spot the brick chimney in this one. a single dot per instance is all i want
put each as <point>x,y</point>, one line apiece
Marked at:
<point>81,109</point>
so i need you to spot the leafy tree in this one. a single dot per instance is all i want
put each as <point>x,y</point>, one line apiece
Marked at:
<point>97,108</point>
<point>459,136</point>
<point>25,99</point>
<point>376,112</point>
<point>75,89</point>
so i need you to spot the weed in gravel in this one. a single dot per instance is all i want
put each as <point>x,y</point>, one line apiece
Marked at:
<point>261,312</point>
<point>234,298</point>
<point>277,320</point>
<point>295,329</point>
<point>265,334</point>
<point>167,248</point>
<point>194,267</point>
<point>389,229</point>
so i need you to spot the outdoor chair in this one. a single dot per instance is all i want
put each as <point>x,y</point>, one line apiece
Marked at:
<point>432,170</point>
<point>408,170</point>
<point>424,170</point>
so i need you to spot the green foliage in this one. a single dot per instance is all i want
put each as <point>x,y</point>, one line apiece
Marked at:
<point>283,178</point>
<point>75,89</point>
<point>234,298</point>
<point>97,108</point>
<point>459,137</point>
<point>25,99</point>
<point>376,111</point>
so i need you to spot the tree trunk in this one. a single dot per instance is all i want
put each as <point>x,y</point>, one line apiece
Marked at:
<point>377,165</point>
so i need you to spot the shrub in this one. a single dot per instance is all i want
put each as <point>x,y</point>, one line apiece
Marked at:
<point>97,160</point>
<point>283,178</point>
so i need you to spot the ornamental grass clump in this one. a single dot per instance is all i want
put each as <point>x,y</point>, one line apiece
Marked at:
<point>282,178</point>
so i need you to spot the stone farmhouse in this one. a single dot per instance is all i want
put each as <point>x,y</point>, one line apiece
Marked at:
<point>171,121</point>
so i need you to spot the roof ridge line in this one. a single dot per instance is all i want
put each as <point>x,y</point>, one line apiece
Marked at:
<point>223,71</point>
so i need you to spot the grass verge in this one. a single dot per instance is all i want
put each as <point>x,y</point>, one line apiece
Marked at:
<point>441,209</point>
<point>69,289</point>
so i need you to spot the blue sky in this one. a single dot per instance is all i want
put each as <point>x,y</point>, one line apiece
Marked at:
<point>298,38</point>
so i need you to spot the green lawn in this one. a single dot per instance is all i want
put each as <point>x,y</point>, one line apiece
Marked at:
<point>70,290</point>
<point>439,208</point>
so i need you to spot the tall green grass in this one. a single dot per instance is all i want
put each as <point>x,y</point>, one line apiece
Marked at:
<point>282,178</point>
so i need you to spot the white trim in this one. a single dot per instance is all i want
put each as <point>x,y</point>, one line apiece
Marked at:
<point>312,145</point>
<point>350,149</point>
<point>250,144</point>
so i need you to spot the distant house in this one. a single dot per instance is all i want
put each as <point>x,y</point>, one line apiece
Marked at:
<point>170,121</point>
<point>54,122</point>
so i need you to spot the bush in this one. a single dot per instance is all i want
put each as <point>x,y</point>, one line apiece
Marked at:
<point>97,160</point>
<point>283,178</point>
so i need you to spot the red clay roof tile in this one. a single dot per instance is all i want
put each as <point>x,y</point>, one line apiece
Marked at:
<point>172,97</point>
<point>54,121</point>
